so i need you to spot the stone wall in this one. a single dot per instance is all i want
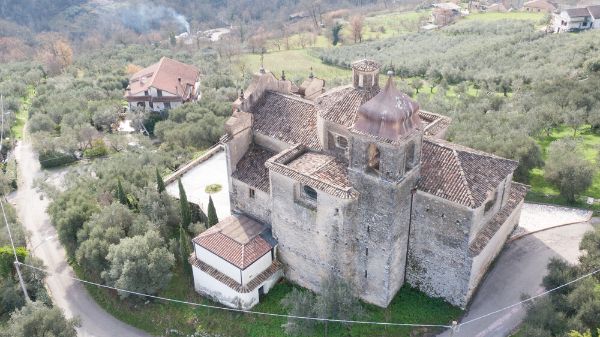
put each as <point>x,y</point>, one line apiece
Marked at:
<point>258,207</point>
<point>438,258</point>
<point>310,245</point>
<point>482,262</point>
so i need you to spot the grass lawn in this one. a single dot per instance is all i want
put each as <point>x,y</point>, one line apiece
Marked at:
<point>542,191</point>
<point>156,317</point>
<point>297,64</point>
<point>22,115</point>
<point>386,25</point>
<point>494,16</point>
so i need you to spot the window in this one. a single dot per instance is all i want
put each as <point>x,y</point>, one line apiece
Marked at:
<point>367,251</point>
<point>341,142</point>
<point>309,192</point>
<point>365,274</point>
<point>151,105</point>
<point>490,204</point>
<point>373,155</point>
<point>146,93</point>
<point>159,92</point>
<point>410,157</point>
<point>167,105</point>
<point>252,193</point>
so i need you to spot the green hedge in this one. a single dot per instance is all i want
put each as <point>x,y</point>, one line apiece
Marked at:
<point>56,159</point>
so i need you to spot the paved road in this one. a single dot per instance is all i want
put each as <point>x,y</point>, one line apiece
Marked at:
<point>67,294</point>
<point>519,270</point>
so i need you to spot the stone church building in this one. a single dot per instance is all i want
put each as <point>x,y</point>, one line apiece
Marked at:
<point>358,182</point>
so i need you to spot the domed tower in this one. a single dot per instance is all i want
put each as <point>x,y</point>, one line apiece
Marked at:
<point>384,167</point>
<point>388,133</point>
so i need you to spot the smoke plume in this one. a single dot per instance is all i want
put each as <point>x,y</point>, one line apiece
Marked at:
<point>144,16</point>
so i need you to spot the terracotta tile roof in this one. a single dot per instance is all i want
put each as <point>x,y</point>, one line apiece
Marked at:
<point>251,168</point>
<point>275,267</point>
<point>341,105</point>
<point>595,11</point>
<point>164,75</point>
<point>290,119</point>
<point>517,193</point>
<point>578,12</point>
<point>237,239</point>
<point>317,170</point>
<point>434,123</point>
<point>543,4</point>
<point>366,65</point>
<point>461,174</point>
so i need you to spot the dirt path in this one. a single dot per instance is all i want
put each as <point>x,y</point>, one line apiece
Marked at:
<point>67,294</point>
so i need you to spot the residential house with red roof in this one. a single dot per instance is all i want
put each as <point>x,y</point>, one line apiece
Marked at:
<point>358,184</point>
<point>163,85</point>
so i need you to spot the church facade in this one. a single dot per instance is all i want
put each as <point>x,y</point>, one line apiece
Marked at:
<point>358,183</point>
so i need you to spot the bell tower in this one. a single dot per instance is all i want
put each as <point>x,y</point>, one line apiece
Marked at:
<point>384,168</point>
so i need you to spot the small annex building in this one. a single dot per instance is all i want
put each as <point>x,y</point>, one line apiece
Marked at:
<point>357,183</point>
<point>163,85</point>
<point>577,19</point>
<point>234,262</point>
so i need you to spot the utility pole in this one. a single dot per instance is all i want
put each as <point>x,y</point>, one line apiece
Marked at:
<point>2,130</point>
<point>16,263</point>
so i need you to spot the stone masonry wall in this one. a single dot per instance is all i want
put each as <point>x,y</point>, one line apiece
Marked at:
<point>309,241</point>
<point>438,258</point>
<point>258,207</point>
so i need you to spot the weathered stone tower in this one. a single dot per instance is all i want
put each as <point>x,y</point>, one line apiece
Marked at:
<point>384,168</point>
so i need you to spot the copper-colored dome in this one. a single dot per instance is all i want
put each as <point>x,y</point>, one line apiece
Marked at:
<point>391,114</point>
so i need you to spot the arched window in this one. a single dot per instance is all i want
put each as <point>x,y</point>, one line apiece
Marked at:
<point>409,162</point>
<point>310,192</point>
<point>373,156</point>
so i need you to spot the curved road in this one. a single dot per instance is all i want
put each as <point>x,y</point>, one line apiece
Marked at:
<point>518,270</point>
<point>67,294</point>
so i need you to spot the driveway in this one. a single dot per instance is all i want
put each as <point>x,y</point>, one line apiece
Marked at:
<point>66,293</point>
<point>518,270</point>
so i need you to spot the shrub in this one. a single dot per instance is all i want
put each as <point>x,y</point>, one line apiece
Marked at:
<point>98,149</point>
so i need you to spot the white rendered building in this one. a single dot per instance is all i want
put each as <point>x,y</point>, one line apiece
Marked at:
<point>234,262</point>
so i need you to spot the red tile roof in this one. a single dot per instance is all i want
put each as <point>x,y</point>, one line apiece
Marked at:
<point>164,75</point>
<point>237,239</point>
<point>317,170</point>
<point>290,119</point>
<point>251,168</point>
<point>517,193</point>
<point>461,174</point>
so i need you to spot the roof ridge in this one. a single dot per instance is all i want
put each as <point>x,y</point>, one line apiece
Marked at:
<point>464,148</point>
<point>291,96</point>
<point>464,178</point>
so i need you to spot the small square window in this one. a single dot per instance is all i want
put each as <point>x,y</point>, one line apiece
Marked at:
<point>252,193</point>
<point>310,192</point>
<point>167,105</point>
<point>341,142</point>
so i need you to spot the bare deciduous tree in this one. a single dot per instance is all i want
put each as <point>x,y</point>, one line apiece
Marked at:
<point>357,23</point>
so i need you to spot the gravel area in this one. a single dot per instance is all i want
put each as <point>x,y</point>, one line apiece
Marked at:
<point>536,217</point>
<point>211,171</point>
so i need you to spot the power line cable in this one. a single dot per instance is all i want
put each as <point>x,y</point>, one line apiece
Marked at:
<point>16,263</point>
<point>532,297</point>
<point>236,310</point>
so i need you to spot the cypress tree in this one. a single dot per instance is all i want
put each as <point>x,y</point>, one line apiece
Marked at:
<point>121,194</point>
<point>184,207</point>
<point>185,250</point>
<point>160,183</point>
<point>212,213</point>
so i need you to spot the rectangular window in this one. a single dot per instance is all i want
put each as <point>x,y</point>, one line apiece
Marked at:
<point>365,274</point>
<point>151,105</point>
<point>167,105</point>
<point>367,251</point>
<point>146,93</point>
<point>252,193</point>
<point>159,93</point>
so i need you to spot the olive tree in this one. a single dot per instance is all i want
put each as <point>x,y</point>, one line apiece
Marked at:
<point>141,263</point>
<point>568,169</point>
